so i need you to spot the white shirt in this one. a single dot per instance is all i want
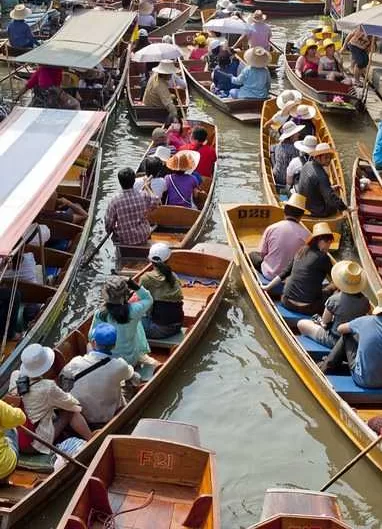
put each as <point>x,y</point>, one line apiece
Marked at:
<point>158,185</point>
<point>27,270</point>
<point>99,392</point>
<point>294,165</point>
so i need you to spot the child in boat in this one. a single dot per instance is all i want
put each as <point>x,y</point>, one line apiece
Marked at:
<point>166,316</point>
<point>307,63</point>
<point>255,79</point>
<point>10,418</point>
<point>182,184</point>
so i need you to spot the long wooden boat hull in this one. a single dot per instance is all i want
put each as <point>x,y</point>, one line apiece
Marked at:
<point>285,8</point>
<point>349,406</point>
<point>201,300</point>
<point>125,468</point>
<point>335,171</point>
<point>172,26</point>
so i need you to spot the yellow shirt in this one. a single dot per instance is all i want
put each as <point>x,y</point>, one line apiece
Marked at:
<point>9,418</point>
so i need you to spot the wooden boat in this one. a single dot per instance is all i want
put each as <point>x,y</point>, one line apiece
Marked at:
<point>68,162</point>
<point>284,8</point>
<point>161,457</point>
<point>323,135</point>
<point>321,91</point>
<point>366,217</point>
<point>347,404</point>
<point>168,27</point>
<point>300,508</point>
<point>204,277</point>
<point>176,225</point>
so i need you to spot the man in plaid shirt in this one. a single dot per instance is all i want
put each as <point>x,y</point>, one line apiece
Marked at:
<point>126,214</point>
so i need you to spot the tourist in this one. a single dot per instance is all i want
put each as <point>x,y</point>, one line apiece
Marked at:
<point>307,63</point>
<point>10,418</point>
<point>131,344</point>
<point>199,50</point>
<point>142,41</point>
<point>342,306</point>
<point>305,147</point>
<point>281,240</point>
<point>322,199</point>
<point>182,185</point>
<point>215,46</point>
<point>286,101</point>
<point>178,134</point>
<point>221,75</point>
<point>155,170</point>
<point>19,32</point>
<point>146,18</point>
<point>166,316</point>
<point>325,33</point>
<point>96,377</point>
<point>61,208</point>
<point>207,153</point>
<point>329,66</point>
<point>126,215</point>
<point>259,34</point>
<point>49,409</point>
<point>285,151</point>
<point>359,44</point>
<point>255,79</point>
<point>362,354</point>
<point>303,290</point>
<point>159,139</point>
<point>303,115</point>
<point>157,92</point>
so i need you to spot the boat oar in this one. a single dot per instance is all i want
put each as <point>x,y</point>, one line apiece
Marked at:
<point>53,448</point>
<point>276,47</point>
<point>352,463</point>
<point>87,259</point>
<point>180,102</point>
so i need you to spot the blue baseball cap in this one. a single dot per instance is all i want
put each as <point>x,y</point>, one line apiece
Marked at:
<point>104,334</point>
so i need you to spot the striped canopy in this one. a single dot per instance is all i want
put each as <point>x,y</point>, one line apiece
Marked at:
<point>37,148</point>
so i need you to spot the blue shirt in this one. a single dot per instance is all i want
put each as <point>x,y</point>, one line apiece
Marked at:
<point>377,153</point>
<point>221,80</point>
<point>255,83</point>
<point>20,34</point>
<point>368,363</point>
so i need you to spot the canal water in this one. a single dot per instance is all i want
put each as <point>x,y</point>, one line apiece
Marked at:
<point>252,410</point>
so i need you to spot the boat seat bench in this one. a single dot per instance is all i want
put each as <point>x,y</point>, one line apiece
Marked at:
<point>167,343</point>
<point>313,348</point>
<point>353,394</point>
<point>290,316</point>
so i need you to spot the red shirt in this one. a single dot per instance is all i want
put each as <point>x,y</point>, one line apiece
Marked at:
<point>45,77</point>
<point>207,157</point>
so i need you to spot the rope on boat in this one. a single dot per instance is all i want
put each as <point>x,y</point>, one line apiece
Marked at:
<point>108,520</point>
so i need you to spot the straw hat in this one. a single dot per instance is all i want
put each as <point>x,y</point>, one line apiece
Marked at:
<point>322,148</point>
<point>288,97</point>
<point>320,229</point>
<point>146,8</point>
<point>378,307</point>
<point>20,12</point>
<point>36,360</point>
<point>326,30</point>
<point>310,43</point>
<point>166,67</point>
<point>258,16</point>
<point>186,161</point>
<point>296,201</point>
<point>307,145</point>
<point>373,3</point>
<point>329,42</point>
<point>349,277</point>
<point>257,57</point>
<point>303,112</point>
<point>116,290</point>
<point>290,129</point>
<point>159,252</point>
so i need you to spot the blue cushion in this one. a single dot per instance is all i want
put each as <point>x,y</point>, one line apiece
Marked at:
<point>348,389</point>
<point>276,291</point>
<point>290,316</point>
<point>315,349</point>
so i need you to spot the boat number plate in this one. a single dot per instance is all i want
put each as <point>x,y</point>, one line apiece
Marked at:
<point>254,213</point>
<point>150,458</point>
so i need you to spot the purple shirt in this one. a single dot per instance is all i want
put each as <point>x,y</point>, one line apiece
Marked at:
<point>259,35</point>
<point>279,245</point>
<point>180,189</point>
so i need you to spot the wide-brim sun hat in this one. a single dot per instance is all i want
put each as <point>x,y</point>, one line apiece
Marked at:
<point>146,8</point>
<point>303,112</point>
<point>288,97</point>
<point>186,161</point>
<point>296,201</point>
<point>326,30</point>
<point>378,308</point>
<point>36,360</point>
<point>104,334</point>
<point>159,252</point>
<point>307,145</point>
<point>213,44</point>
<point>310,43</point>
<point>257,57</point>
<point>163,153</point>
<point>258,16</point>
<point>327,43</point>
<point>349,277</point>
<point>322,148</point>
<point>116,290</point>
<point>166,67</point>
<point>290,129</point>
<point>320,229</point>
<point>20,12</point>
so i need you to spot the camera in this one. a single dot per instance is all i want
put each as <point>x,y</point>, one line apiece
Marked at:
<point>22,385</point>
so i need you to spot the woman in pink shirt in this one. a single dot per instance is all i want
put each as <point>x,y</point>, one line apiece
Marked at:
<point>178,134</point>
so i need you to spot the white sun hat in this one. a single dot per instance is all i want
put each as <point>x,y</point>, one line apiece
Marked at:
<point>307,145</point>
<point>20,12</point>
<point>36,360</point>
<point>290,129</point>
<point>166,67</point>
<point>159,252</point>
<point>303,112</point>
<point>163,153</point>
<point>288,97</point>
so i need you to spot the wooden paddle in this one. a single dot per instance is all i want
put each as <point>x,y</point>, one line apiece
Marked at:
<point>53,448</point>
<point>86,259</point>
<point>351,463</point>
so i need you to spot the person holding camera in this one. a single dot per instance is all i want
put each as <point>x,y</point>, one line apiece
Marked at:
<point>47,407</point>
<point>96,377</point>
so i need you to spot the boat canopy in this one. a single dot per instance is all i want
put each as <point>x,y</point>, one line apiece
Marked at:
<point>37,148</point>
<point>370,20</point>
<point>83,41</point>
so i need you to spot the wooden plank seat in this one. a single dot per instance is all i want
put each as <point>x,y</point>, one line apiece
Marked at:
<point>313,348</point>
<point>372,229</point>
<point>353,394</point>
<point>290,316</point>
<point>370,210</point>
<point>169,342</point>
<point>375,250</point>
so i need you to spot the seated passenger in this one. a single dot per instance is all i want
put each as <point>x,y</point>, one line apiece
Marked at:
<point>303,290</point>
<point>307,63</point>
<point>182,185</point>
<point>126,215</point>
<point>178,134</point>
<point>285,150</point>
<point>156,170</point>
<point>255,79</point>
<point>146,18</point>
<point>321,197</point>
<point>99,391</point>
<point>199,49</point>
<point>286,101</point>
<point>157,92</point>
<point>159,139</point>
<point>61,208</point>
<point>221,75</point>
<point>215,47</point>
<point>142,41</point>
<point>304,115</point>
<point>49,409</point>
<point>199,143</point>
<point>19,32</point>
<point>329,66</point>
<point>362,354</point>
<point>131,344</point>
<point>282,240</point>
<point>305,147</point>
<point>325,33</point>
<point>166,316</point>
<point>344,305</point>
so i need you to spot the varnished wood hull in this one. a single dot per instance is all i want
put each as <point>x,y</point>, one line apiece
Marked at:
<point>244,225</point>
<point>284,8</point>
<point>323,136</point>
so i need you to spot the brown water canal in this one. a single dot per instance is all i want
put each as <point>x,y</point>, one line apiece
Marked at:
<point>265,427</point>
